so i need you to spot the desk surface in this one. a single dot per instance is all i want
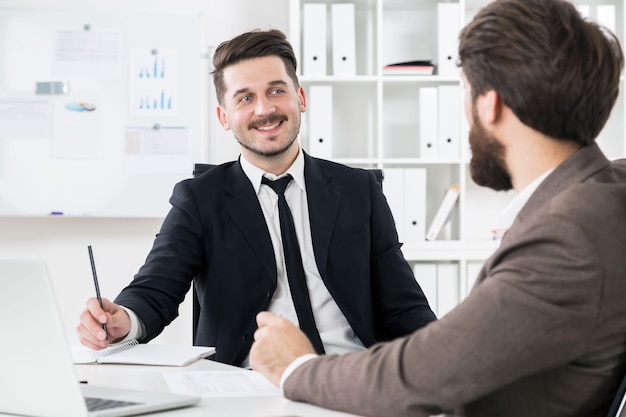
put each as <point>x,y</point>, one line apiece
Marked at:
<point>150,378</point>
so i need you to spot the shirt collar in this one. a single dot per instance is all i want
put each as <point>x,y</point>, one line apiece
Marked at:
<point>509,213</point>
<point>255,174</point>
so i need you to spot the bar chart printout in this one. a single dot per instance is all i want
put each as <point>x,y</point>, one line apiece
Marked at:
<point>153,82</point>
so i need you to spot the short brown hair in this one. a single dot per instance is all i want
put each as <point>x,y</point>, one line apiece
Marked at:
<point>253,44</point>
<point>558,72</point>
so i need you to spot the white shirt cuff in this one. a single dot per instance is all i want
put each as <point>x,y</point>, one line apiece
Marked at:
<point>294,365</point>
<point>137,329</point>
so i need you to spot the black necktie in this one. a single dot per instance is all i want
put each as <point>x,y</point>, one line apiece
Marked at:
<point>293,262</point>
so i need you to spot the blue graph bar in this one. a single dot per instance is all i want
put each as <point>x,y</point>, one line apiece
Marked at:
<point>154,100</point>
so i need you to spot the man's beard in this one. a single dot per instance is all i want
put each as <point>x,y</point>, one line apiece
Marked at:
<point>293,134</point>
<point>487,166</point>
<point>270,154</point>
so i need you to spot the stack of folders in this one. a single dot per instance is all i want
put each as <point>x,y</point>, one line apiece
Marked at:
<point>440,122</point>
<point>343,39</point>
<point>440,284</point>
<point>405,190</point>
<point>409,68</point>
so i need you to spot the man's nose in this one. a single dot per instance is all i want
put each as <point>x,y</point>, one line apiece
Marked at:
<point>264,106</point>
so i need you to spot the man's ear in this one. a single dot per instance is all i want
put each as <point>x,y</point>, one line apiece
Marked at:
<point>223,118</point>
<point>489,107</point>
<point>302,99</point>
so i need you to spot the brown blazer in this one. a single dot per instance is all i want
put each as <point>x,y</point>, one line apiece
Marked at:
<point>542,334</point>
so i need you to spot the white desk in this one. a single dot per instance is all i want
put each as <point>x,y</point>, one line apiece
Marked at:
<point>150,378</point>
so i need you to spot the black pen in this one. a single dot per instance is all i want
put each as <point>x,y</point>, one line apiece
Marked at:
<point>95,282</point>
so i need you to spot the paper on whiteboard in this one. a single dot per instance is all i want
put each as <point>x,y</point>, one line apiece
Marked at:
<point>153,82</point>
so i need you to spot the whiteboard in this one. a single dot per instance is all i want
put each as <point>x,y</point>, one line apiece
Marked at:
<point>101,113</point>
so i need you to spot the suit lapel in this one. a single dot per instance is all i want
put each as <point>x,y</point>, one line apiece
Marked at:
<point>244,209</point>
<point>323,201</point>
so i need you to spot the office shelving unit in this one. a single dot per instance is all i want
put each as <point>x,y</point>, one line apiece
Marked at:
<point>376,124</point>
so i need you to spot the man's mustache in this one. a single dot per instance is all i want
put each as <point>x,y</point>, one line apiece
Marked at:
<point>268,120</point>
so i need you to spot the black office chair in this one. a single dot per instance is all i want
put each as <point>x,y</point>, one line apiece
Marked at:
<point>199,169</point>
<point>618,407</point>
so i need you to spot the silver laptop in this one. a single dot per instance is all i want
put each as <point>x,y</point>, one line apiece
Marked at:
<point>37,375</point>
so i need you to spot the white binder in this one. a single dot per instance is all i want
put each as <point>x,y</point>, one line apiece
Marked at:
<point>448,287</point>
<point>314,54</point>
<point>449,117</point>
<point>428,123</point>
<point>448,26</point>
<point>473,268</point>
<point>394,193</point>
<point>343,38</point>
<point>414,204</point>
<point>320,121</point>
<point>605,16</point>
<point>426,276</point>
<point>443,212</point>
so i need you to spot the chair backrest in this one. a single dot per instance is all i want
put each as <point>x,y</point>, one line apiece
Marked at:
<point>199,169</point>
<point>618,407</point>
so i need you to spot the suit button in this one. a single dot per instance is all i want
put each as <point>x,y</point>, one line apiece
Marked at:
<point>244,337</point>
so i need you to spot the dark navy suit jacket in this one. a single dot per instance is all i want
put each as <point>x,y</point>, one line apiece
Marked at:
<point>216,236</point>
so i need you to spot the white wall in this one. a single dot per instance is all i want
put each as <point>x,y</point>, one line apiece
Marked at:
<point>121,245</point>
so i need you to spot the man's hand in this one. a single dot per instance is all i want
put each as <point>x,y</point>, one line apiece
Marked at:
<point>277,343</point>
<point>90,331</point>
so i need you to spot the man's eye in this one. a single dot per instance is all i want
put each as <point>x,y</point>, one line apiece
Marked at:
<point>277,91</point>
<point>245,99</point>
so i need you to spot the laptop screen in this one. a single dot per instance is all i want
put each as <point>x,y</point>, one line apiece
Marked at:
<point>38,376</point>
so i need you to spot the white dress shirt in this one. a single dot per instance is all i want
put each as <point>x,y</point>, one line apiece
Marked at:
<point>335,331</point>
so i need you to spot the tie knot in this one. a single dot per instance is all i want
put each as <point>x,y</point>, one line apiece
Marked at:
<point>280,185</point>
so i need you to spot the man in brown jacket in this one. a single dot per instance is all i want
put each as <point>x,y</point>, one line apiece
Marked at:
<point>543,332</point>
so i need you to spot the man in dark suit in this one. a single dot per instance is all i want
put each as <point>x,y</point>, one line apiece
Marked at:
<point>224,231</point>
<point>543,331</point>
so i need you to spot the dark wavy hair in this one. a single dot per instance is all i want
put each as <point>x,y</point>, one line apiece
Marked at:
<point>558,72</point>
<point>249,45</point>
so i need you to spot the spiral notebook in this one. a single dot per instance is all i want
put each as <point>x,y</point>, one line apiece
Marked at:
<point>133,353</point>
<point>37,377</point>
